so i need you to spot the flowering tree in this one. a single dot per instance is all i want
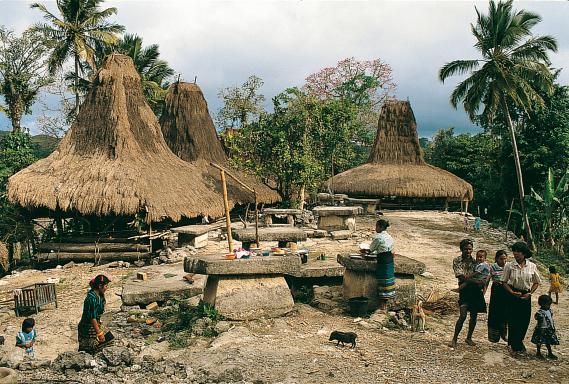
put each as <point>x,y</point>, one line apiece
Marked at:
<point>363,82</point>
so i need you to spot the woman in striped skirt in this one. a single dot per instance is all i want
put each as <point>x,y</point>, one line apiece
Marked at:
<point>497,310</point>
<point>382,245</point>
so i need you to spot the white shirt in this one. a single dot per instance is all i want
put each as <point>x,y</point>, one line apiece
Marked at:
<point>382,242</point>
<point>521,277</point>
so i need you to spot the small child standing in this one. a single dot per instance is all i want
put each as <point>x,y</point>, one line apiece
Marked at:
<point>544,332</point>
<point>26,338</point>
<point>554,284</point>
<point>481,275</point>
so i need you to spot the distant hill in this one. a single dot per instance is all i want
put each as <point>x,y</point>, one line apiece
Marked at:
<point>44,145</point>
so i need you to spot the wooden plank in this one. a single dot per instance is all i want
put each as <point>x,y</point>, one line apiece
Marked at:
<point>92,247</point>
<point>92,257</point>
<point>101,239</point>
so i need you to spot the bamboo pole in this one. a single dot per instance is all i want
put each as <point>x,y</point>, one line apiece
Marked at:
<point>226,206</point>
<point>226,203</point>
<point>508,221</point>
<point>256,221</point>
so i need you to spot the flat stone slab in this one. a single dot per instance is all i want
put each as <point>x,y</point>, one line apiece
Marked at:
<point>282,211</point>
<point>249,298</point>
<point>270,234</point>
<point>321,268</point>
<point>198,229</point>
<point>403,264</point>
<point>257,265</point>
<point>336,211</point>
<point>363,201</point>
<point>160,288</point>
<point>329,196</point>
<point>341,235</point>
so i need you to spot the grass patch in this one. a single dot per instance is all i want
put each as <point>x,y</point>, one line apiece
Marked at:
<point>550,257</point>
<point>178,320</point>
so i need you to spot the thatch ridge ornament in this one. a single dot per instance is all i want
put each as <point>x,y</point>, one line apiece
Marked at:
<point>190,133</point>
<point>114,160</point>
<point>396,166</point>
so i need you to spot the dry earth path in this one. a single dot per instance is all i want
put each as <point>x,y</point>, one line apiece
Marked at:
<point>295,348</point>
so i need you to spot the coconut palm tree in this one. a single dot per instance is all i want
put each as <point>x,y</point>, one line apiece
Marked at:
<point>513,71</point>
<point>75,33</point>
<point>155,74</point>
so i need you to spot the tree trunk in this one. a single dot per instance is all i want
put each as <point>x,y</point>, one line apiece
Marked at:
<point>76,84</point>
<point>519,174</point>
<point>16,115</point>
<point>301,196</point>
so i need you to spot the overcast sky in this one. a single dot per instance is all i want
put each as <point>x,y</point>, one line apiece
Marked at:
<point>223,42</point>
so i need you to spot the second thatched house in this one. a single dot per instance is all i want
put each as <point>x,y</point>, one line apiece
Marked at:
<point>189,132</point>
<point>396,167</point>
<point>115,161</point>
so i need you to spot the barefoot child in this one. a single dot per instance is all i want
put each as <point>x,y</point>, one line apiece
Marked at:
<point>26,338</point>
<point>481,275</point>
<point>555,284</point>
<point>544,332</point>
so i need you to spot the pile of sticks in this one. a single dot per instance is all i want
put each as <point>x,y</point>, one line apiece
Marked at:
<point>441,303</point>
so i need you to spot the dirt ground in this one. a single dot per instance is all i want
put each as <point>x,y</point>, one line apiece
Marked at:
<point>295,348</point>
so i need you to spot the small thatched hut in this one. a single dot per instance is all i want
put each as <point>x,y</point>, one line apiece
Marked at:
<point>396,166</point>
<point>114,160</point>
<point>190,133</point>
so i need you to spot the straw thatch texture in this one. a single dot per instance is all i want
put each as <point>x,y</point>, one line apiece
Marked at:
<point>114,160</point>
<point>190,133</point>
<point>396,166</point>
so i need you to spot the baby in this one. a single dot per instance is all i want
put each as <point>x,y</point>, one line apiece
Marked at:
<point>481,275</point>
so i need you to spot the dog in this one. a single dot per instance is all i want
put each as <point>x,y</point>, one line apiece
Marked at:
<point>344,337</point>
<point>418,317</point>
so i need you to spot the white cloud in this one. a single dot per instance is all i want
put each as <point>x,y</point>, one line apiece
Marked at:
<point>223,42</point>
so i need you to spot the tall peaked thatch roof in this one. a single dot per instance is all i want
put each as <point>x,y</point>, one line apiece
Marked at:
<point>190,133</point>
<point>396,166</point>
<point>114,160</point>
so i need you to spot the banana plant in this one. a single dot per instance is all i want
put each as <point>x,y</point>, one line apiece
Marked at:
<point>550,208</point>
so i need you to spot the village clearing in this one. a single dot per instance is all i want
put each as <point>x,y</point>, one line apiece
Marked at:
<point>295,348</point>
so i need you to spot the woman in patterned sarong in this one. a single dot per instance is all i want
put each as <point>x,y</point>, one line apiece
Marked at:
<point>382,245</point>
<point>91,335</point>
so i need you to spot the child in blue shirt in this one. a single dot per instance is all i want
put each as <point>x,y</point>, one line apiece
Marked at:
<point>26,338</point>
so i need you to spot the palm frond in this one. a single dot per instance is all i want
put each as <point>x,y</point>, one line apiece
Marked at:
<point>457,67</point>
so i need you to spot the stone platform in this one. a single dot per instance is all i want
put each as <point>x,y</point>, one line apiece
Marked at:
<point>337,218</point>
<point>246,289</point>
<point>283,235</point>
<point>163,284</point>
<point>360,280</point>
<point>290,214</point>
<point>369,206</point>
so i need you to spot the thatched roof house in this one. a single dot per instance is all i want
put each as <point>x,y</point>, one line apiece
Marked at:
<point>190,133</point>
<point>114,160</point>
<point>396,166</point>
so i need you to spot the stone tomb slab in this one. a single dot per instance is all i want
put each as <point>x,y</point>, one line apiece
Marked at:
<point>283,235</point>
<point>360,280</point>
<point>369,206</point>
<point>163,284</point>
<point>194,235</point>
<point>289,213</point>
<point>249,298</point>
<point>258,265</point>
<point>246,289</point>
<point>337,218</point>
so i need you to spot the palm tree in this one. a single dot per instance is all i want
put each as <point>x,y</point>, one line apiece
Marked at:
<point>154,73</point>
<point>80,27</point>
<point>514,70</point>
